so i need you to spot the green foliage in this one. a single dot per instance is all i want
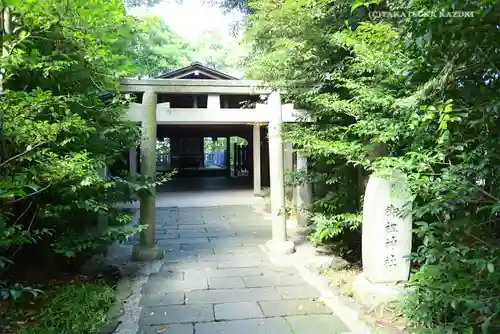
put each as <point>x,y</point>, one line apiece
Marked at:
<point>416,93</point>
<point>158,48</point>
<point>17,291</point>
<point>79,308</point>
<point>225,55</point>
<point>61,123</point>
<point>329,227</point>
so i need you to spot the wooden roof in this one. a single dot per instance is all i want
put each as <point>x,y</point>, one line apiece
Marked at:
<point>196,70</point>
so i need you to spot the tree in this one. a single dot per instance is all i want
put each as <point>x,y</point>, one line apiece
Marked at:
<point>422,87</point>
<point>59,130</point>
<point>158,48</point>
<point>215,52</point>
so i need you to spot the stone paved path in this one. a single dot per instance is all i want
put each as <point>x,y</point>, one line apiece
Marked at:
<point>216,279</point>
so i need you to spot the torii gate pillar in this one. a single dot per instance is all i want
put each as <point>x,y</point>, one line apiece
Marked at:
<point>147,250</point>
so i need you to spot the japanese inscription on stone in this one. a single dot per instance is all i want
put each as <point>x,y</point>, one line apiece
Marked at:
<point>391,229</point>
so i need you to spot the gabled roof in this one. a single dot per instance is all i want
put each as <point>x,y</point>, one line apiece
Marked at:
<point>194,70</point>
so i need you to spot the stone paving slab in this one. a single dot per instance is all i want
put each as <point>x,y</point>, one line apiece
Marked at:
<point>231,295</point>
<point>280,308</point>
<point>197,246</point>
<point>188,227</point>
<point>170,274</point>
<point>193,234</point>
<point>187,221</point>
<point>172,241</point>
<point>240,264</point>
<point>180,257</point>
<point>168,329</point>
<point>273,279</point>
<point>215,278</point>
<point>159,285</point>
<point>251,326</point>
<point>298,292</point>
<point>225,283</point>
<point>161,236</point>
<point>155,300</point>
<point>176,314</point>
<point>311,324</point>
<point>234,311</point>
<point>230,257</point>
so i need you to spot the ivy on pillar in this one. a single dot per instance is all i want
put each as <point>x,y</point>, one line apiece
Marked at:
<point>279,243</point>
<point>147,250</point>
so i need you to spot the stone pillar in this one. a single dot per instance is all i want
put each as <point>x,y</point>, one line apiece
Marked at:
<point>288,156</point>
<point>228,156</point>
<point>132,158</point>
<point>279,243</point>
<point>257,187</point>
<point>213,101</point>
<point>288,166</point>
<point>386,239</point>
<point>147,250</point>
<point>304,193</point>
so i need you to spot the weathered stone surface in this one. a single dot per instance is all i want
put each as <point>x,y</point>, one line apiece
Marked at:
<point>281,308</point>
<point>272,280</point>
<point>212,281</point>
<point>176,314</point>
<point>171,298</point>
<point>324,324</point>
<point>225,283</point>
<point>189,221</point>
<point>182,241</point>
<point>231,295</point>
<point>233,272</point>
<point>241,263</point>
<point>180,256</point>
<point>218,257</point>
<point>158,285</point>
<point>190,227</point>
<point>197,246</point>
<point>168,247</point>
<point>251,326</point>
<point>146,253</point>
<point>338,263</point>
<point>191,234</point>
<point>168,329</point>
<point>162,236</point>
<point>298,292</point>
<point>233,311</point>
<point>241,250</point>
<point>185,266</point>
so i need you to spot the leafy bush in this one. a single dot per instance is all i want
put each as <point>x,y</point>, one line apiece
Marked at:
<point>416,93</point>
<point>61,125</point>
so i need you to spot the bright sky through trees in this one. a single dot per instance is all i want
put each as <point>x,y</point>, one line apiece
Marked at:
<point>191,18</point>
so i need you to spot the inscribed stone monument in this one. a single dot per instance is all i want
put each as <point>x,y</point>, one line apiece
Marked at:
<point>386,230</point>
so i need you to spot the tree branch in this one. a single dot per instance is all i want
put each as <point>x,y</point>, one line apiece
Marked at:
<point>32,194</point>
<point>20,154</point>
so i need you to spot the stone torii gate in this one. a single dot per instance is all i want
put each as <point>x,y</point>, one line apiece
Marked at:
<point>213,95</point>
